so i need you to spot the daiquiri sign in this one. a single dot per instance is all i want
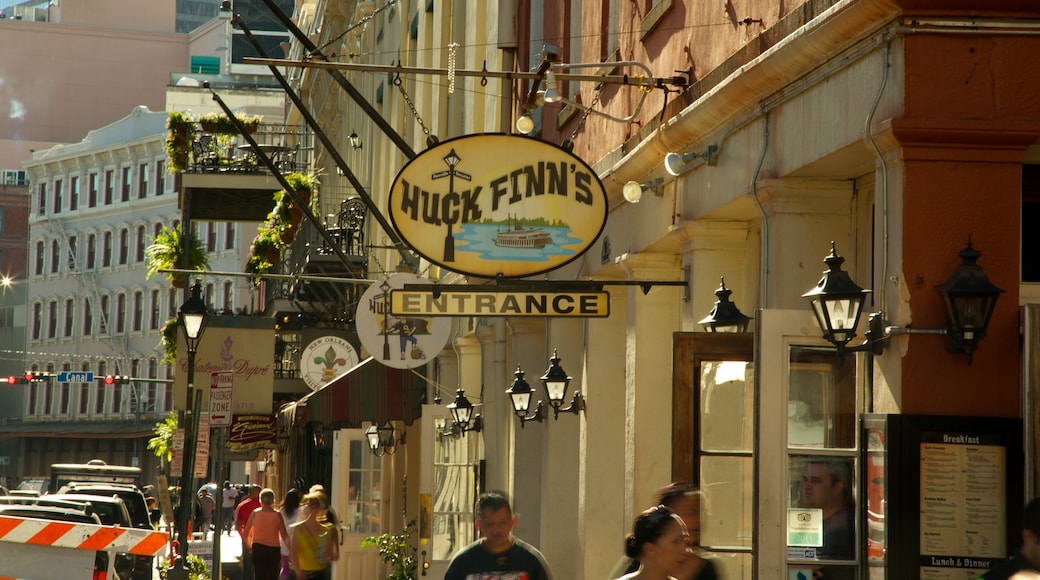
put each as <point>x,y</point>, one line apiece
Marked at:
<point>498,205</point>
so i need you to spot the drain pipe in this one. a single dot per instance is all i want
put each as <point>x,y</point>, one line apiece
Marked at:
<point>868,134</point>
<point>764,283</point>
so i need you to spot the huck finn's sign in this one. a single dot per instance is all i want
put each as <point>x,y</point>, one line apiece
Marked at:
<point>498,205</point>
<point>477,303</point>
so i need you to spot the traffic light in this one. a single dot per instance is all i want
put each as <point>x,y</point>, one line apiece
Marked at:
<point>14,380</point>
<point>116,379</point>
<point>34,377</point>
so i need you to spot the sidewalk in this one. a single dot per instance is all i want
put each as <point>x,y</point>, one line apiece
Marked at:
<point>230,555</point>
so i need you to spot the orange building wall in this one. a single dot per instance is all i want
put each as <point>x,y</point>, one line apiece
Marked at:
<point>970,114</point>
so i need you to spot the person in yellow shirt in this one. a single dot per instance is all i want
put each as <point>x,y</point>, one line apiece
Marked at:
<point>315,541</point>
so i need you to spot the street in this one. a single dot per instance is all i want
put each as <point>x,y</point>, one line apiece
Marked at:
<point>230,554</point>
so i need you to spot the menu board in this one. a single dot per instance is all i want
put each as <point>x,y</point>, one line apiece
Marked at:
<point>963,528</point>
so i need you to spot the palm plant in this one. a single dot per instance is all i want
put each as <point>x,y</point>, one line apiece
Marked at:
<point>167,252</point>
<point>162,444</point>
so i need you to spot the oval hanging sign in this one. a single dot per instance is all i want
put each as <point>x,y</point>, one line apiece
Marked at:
<point>498,205</point>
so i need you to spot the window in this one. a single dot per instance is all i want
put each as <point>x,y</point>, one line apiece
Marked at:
<point>88,318</point>
<point>229,236</point>
<point>106,251</point>
<point>125,191</point>
<point>84,398</point>
<point>41,200</point>
<point>171,303</point>
<point>92,190</point>
<point>142,181</point>
<point>364,490</point>
<point>141,242</point>
<point>91,251</point>
<point>228,305</point>
<point>208,293</point>
<point>55,256</point>
<point>211,236</point>
<point>138,312</point>
<point>153,319</point>
<point>99,392</point>
<point>453,497</point>
<point>109,186</point>
<point>160,177</point>
<point>57,196</point>
<point>120,313</point>
<point>37,322</point>
<point>72,258</point>
<point>70,317</point>
<point>105,315</point>
<point>7,317</point>
<point>74,193</point>
<point>52,319</point>
<point>124,246</point>
<point>117,398</point>
<point>39,259</point>
<point>63,402</point>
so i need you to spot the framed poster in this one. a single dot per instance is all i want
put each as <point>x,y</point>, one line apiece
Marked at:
<point>944,494</point>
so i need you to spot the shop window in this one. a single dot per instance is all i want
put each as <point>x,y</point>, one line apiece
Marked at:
<point>454,494</point>
<point>364,491</point>
<point>1030,226</point>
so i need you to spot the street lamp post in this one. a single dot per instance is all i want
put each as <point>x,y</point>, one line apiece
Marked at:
<point>193,321</point>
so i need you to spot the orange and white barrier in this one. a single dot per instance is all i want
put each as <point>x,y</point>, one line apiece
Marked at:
<point>45,549</point>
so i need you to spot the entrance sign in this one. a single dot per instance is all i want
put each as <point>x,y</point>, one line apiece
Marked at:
<point>498,205</point>
<point>477,303</point>
<point>398,341</point>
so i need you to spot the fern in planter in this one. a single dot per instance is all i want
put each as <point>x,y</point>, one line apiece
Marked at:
<point>266,249</point>
<point>168,342</point>
<point>397,551</point>
<point>180,134</point>
<point>221,124</point>
<point>166,252</point>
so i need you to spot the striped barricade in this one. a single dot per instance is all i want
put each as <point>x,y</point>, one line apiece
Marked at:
<point>46,549</point>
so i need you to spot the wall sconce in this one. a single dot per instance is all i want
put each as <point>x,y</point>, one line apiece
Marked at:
<point>283,441</point>
<point>968,298</point>
<point>355,140</point>
<point>261,466</point>
<point>632,191</point>
<point>837,302</point>
<point>381,440</point>
<point>462,414</point>
<point>674,162</point>
<point>725,316</point>
<point>552,93</point>
<point>322,436</point>
<point>556,381</point>
<point>520,394</point>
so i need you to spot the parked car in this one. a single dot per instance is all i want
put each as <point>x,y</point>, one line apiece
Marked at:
<point>111,511</point>
<point>72,513</point>
<point>136,506</point>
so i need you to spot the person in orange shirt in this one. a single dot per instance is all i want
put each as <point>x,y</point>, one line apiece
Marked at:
<point>264,533</point>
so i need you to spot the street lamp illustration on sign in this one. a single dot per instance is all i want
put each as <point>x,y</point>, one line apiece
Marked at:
<point>453,160</point>
<point>401,342</point>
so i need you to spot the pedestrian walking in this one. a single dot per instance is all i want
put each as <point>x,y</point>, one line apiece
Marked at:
<point>228,502</point>
<point>265,531</point>
<point>498,554</point>
<point>659,542</point>
<point>290,510</point>
<point>315,540</point>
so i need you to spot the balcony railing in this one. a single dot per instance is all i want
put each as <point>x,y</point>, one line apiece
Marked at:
<point>290,148</point>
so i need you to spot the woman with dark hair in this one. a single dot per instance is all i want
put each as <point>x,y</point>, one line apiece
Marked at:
<point>659,542</point>
<point>289,509</point>
<point>686,501</point>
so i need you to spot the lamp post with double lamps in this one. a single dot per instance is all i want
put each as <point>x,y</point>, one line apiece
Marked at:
<point>192,320</point>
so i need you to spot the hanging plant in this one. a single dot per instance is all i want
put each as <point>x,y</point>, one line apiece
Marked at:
<point>168,342</point>
<point>265,251</point>
<point>166,252</point>
<point>287,215</point>
<point>219,123</point>
<point>179,136</point>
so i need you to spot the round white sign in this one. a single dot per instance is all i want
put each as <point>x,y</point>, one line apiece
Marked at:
<point>325,359</point>
<point>403,342</point>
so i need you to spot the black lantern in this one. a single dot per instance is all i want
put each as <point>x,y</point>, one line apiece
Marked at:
<point>837,302</point>
<point>725,316</point>
<point>193,317</point>
<point>556,381</point>
<point>381,439</point>
<point>462,413</point>
<point>520,394</point>
<point>969,299</point>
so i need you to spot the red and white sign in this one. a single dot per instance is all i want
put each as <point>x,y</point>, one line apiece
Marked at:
<point>221,387</point>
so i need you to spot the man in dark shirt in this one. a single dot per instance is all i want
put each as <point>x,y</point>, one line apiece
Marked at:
<point>497,555</point>
<point>1028,558</point>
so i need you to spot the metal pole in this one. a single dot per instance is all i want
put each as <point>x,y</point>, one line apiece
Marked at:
<point>219,525</point>
<point>194,400</point>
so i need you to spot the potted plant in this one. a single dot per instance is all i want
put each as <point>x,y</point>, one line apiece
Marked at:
<point>286,215</point>
<point>167,252</point>
<point>168,342</point>
<point>180,134</point>
<point>397,551</point>
<point>221,124</point>
<point>266,249</point>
